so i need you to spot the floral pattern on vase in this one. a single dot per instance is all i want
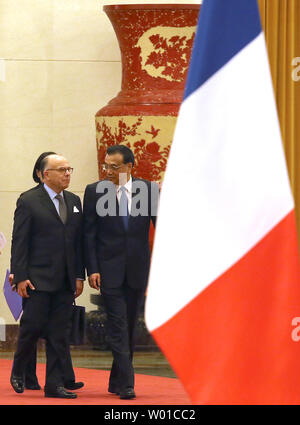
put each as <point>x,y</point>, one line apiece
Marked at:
<point>155,41</point>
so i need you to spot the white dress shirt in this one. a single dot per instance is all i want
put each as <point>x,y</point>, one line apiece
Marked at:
<point>52,195</point>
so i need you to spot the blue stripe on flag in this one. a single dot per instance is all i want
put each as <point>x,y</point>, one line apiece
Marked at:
<point>224,28</point>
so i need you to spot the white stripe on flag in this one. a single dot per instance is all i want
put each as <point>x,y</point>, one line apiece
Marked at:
<point>226,183</point>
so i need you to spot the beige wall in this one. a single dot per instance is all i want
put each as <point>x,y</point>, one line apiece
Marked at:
<point>59,63</point>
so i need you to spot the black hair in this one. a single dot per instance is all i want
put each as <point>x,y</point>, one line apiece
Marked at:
<point>40,165</point>
<point>127,153</point>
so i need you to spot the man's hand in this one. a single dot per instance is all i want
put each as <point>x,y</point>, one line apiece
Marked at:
<point>22,288</point>
<point>94,281</point>
<point>11,281</point>
<point>79,287</point>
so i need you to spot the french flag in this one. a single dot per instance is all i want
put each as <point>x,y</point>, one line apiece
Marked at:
<point>223,299</point>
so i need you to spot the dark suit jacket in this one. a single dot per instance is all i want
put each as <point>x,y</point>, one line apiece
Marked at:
<point>109,249</point>
<point>44,250</point>
<point>12,257</point>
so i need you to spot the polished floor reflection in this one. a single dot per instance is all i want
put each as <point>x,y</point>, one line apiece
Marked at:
<point>147,363</point>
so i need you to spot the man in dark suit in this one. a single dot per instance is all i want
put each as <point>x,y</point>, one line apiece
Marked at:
<point>48,270</point>
<point>117,213</point>
<point>31,380</point>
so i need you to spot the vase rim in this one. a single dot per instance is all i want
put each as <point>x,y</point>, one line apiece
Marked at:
<point>150,6</point>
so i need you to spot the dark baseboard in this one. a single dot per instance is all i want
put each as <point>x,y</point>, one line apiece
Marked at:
<point>95,336</point>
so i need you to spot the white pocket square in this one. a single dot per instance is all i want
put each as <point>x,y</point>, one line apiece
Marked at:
<point>75,209</point>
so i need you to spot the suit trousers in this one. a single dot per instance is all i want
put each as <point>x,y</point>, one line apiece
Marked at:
<point>123,306</point>
<point>30,371</point>
<point>51,311</point>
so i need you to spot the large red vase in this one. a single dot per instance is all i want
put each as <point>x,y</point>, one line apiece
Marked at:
<point>155,41</point>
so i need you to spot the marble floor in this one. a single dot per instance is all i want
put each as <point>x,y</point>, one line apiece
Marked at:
<point>148,363</point>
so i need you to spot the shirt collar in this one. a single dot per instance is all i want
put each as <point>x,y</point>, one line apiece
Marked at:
<point>51,192</point>
<point>128,186</point>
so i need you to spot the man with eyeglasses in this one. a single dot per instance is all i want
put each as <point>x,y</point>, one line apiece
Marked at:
<point>117,255</point>
<point>48,270</point>
<point>31,380</point>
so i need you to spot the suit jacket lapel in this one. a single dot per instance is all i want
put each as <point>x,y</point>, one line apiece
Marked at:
<point>133,194</point>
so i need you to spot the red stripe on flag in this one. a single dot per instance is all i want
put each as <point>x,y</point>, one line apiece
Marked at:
<point>233,343</point>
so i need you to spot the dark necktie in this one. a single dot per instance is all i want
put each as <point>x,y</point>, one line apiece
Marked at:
<point>123,207</point>
<point>62,208</point>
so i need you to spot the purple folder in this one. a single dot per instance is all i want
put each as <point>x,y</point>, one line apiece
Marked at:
<point>13,299</point>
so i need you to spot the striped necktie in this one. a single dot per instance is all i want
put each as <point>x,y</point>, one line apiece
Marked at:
<point>62,208</point>
<point>123,207</point>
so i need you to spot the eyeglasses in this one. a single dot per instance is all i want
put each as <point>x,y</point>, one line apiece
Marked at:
<point>62,170</point>
<point>112,167</point>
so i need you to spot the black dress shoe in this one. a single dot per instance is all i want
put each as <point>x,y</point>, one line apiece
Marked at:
<point>32,386</point>
<point>17,382</point>
<point>59,392</point>
<point>32,383</point>
<point>73,385</point>
<point>114,390</point>
<point>127,394</point>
